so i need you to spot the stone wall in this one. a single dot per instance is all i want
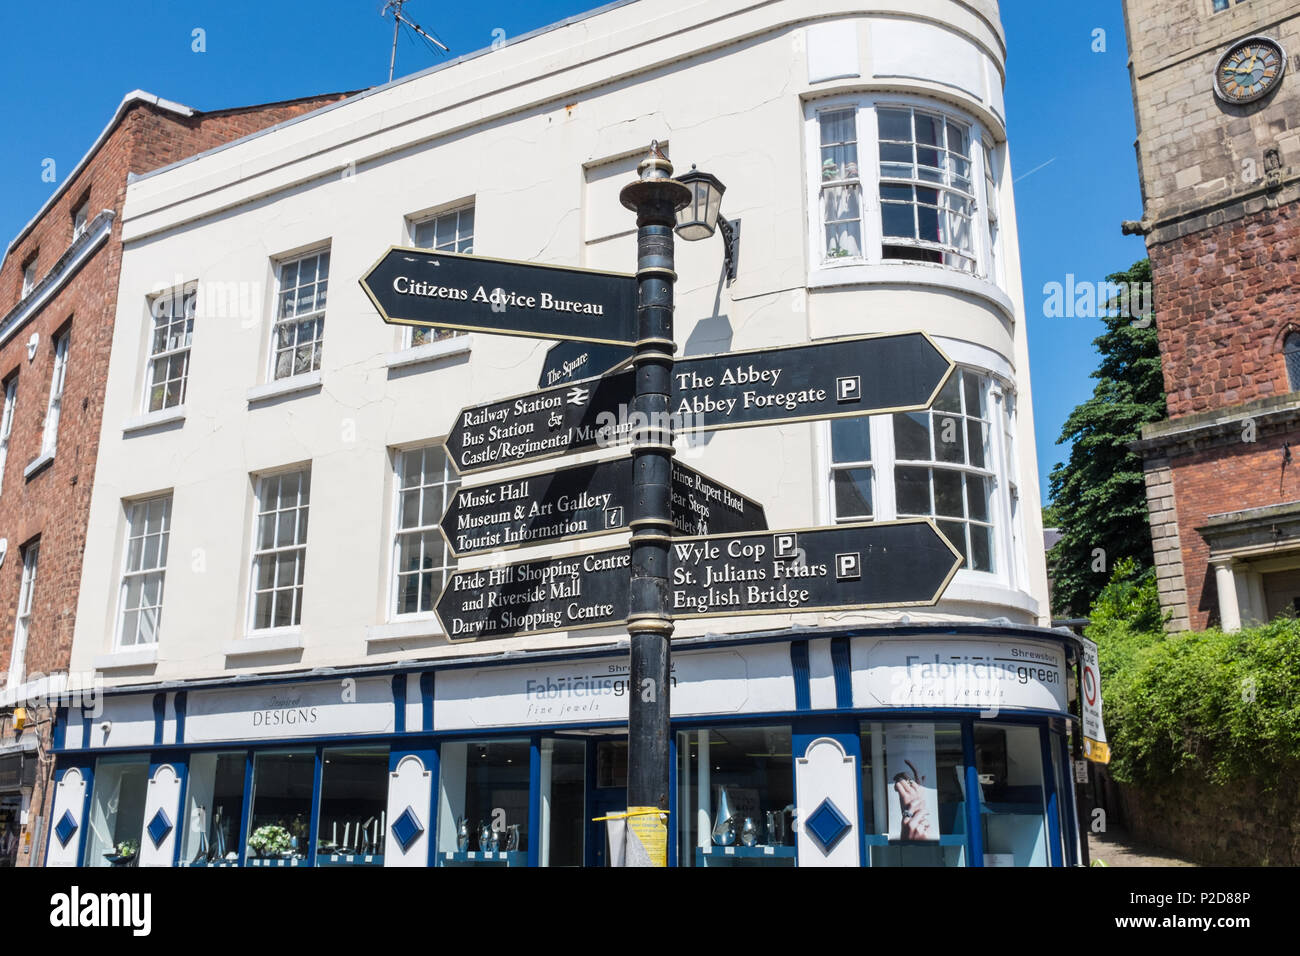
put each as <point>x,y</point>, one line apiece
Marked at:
<point>1235,825</point>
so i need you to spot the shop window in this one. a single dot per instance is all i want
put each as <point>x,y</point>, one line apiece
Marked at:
<point>281,817</point>
<point>214,804</point>
<point>1013,809</point>
<point>483,803</point>
<point>451,231</point>
<point>851,469</point>
<point>353,807</point>
<point>913,794</point>
<point>421,559</point>
<point>736,797</point>
<point>117,811</point>
<point>563,796</point>
<point>945,469</point>
<point>299,333</point>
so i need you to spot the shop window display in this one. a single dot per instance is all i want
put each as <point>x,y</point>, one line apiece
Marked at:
<point>214,803</point>
<point>736,797</point>
<point>563,802</point>
<point>913,794</point>
<point>281,817</point>
<point>1013,807</point>
<point>117,811</point>
<point>483,803</point>
<point>353,807</point>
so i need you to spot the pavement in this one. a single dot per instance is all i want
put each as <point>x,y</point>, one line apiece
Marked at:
<point>1117,848</point>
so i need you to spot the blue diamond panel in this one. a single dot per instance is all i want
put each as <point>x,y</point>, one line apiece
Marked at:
<point>159,827</point>
<point>407,829</point>
<point>65,828</point>
<point>828,825</point>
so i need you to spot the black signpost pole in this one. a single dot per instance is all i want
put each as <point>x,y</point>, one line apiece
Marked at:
<point>655,198</point>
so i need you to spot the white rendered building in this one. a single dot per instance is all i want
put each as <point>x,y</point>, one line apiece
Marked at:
<point>259,661</point>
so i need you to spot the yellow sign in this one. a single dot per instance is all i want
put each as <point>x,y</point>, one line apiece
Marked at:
<point>650,824</point>
<point>1098,751</point>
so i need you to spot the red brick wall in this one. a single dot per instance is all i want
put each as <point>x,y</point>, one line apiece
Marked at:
<point>54,503</point>
<point>1225,298</point>
<point>1219,479</point>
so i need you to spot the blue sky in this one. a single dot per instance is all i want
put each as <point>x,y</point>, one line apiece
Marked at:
<point>65,67</point>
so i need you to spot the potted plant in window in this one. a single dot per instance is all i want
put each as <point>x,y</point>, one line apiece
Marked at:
<point>830,170</point>
<point>124,853</point>
<point>270,840</point>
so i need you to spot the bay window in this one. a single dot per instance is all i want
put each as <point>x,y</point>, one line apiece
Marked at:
<point>954,462</point>
<point>902,182</point>
<point>943,468</point>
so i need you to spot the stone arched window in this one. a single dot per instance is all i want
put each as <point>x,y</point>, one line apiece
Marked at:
<point>1291,352</point>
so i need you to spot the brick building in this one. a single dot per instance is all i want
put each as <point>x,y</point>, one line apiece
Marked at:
<point>1219,157</point>
<point>58,298</point>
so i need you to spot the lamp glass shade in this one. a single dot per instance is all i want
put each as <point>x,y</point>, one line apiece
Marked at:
<point>699,218</point>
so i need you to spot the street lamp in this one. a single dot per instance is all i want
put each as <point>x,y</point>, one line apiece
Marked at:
<point>701,216</point>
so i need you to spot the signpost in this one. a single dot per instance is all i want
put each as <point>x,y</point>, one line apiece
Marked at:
<point>447,290</point>
<point>842,568</point>
<point>583,501</point>
<point>835,378</point>
<point>727,565</point>
<point>570,361</point>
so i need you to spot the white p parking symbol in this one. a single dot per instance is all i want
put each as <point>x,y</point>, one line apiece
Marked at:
<point>785,545</point>
<point>848,388</point>
<point>848,567</point>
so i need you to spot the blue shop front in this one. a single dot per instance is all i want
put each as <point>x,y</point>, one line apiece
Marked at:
<point>883,746</point>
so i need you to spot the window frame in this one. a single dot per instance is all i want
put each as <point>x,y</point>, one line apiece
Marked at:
<point>29,277</point>
<point>1008,563</point>
<point>188,295</point>
<point>7,422</point>
<point>412,334</point>
<point>257,554</point>
<point>58,384</point>
<point>160,570</point>
<point>80,218</point>
<point>865,106</point>
<point>450,483</point>
<point>316,315</point>
<point>31,554</point>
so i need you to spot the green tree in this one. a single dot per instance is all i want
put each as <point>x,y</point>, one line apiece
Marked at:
<point>1099,494</point>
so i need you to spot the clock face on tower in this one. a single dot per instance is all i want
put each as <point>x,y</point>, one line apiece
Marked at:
<point>1249,70</point>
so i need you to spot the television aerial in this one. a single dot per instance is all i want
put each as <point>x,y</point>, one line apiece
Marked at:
<point>432,42</point>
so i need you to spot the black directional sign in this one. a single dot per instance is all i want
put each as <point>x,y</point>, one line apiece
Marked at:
<point>843,568</point>
<point>583,501</point>
<point>554,421</point>
<point>474,293</point>
<point>570,361</point>
<point>834,378</point>
<point>828,379</point>
<point>532,597</point>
